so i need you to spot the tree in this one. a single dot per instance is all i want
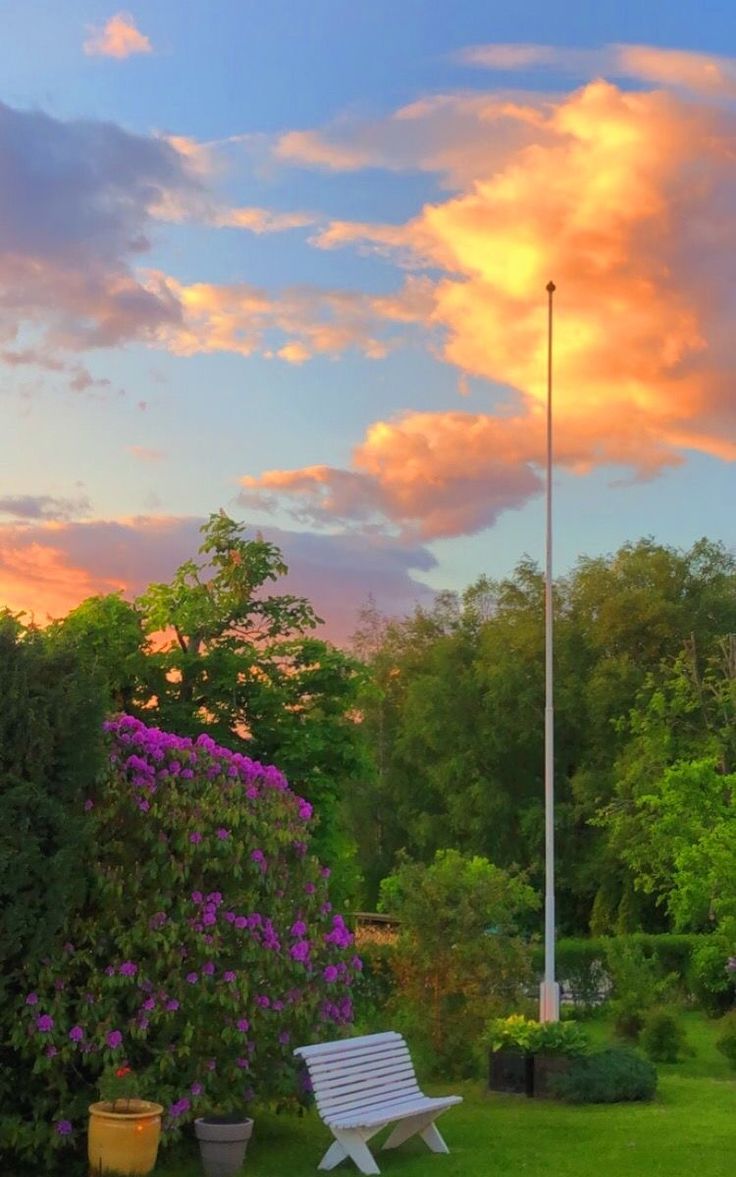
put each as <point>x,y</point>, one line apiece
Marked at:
<point>240,663</point>
<point>107,633</point>
<point>459,959</point>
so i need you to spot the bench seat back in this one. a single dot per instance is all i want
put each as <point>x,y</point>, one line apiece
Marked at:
<point>358,1074</point>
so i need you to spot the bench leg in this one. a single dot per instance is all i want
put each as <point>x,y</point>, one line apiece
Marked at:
<point>350,1143</point>
<point>424,1125</point>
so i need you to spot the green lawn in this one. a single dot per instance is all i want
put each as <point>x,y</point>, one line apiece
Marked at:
<point>688,1131</point>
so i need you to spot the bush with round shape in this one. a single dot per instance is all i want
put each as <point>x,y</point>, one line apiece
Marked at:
<point>207,951</point>
<point>662,1036</point>
<point>616,1075</point>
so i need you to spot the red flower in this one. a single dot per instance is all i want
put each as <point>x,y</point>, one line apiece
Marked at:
<point>121,1071</point>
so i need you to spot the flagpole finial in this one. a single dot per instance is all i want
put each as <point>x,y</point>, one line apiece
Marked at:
<point>550,288</point>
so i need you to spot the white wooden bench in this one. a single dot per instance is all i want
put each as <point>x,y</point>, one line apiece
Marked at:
<point>362,1084</point>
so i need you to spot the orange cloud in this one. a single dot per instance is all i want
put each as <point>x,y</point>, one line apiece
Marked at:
<point>626,200</point>
<point>144,453</point>
<point>118,38</point>
<point>703,73</point>
<point>294,325</point>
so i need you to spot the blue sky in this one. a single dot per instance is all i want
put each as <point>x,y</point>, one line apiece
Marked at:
<point>385,433</point>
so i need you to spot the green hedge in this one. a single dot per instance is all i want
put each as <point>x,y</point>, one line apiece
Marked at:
<point>581,963</point>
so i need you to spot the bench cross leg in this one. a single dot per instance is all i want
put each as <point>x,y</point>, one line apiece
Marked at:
<point>422,1124</point>
<point>351,1142</point>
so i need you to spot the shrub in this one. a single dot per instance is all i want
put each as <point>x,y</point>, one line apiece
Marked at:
<point>616,1075</point>
<point>636,987</point>
<point>662,1037</point>
<point>458,960</point>
<point>710,980</point>
<point>520,1033</point>
<point>207,950</point>
<point>726,1040</point>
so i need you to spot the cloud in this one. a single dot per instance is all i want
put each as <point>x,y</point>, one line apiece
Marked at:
<point>702,73</point>
<point>143,453</point>
<point>44,507</point>
<point>294,325</point>
<point>76,205</point>
<point>48,569</point>
<point>628,201</point>
<point>118,38</point>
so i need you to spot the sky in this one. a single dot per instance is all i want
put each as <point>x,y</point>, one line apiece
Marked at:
<point>289,260</point>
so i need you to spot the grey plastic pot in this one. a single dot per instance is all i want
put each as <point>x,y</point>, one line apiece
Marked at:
<point>222,1143</point>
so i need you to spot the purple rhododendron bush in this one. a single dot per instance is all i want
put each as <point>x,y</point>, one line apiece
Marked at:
<point>207,950</point>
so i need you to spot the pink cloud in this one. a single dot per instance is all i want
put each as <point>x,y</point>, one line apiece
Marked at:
<point>49,568</point>
<point>118,38</point>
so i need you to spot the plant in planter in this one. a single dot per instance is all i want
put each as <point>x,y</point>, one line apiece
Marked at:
<point>124,1130</point>
<point>534,1052</point>
<point>223,1138</point>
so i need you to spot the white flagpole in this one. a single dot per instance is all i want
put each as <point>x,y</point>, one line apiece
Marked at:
<point>549,991</point>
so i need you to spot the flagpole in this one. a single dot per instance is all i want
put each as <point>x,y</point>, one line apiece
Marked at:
<point>549,990</point>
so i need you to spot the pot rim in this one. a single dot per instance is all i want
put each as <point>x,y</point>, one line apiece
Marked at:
<point>145,1109</point>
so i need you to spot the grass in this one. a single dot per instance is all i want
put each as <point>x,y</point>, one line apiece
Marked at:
<point>687,1130</point>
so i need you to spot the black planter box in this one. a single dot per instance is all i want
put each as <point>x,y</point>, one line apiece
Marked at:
<point>511,1071</point>
<point>547,1068</point>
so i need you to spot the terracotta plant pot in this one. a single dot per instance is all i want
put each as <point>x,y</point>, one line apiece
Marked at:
<point>124,1141</point>
<point>222,1143</point>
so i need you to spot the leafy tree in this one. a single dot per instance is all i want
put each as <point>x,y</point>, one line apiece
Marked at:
<point>459,959</point>
<point>107,633</point>
<point>240,663</point>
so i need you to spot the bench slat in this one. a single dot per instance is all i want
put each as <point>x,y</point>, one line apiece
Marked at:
<point>403,1076</point>
<point>378,1093</point>
<point>349,1044</point>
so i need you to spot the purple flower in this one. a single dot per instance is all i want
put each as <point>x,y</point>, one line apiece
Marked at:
<point>243,1025</point>
<point>243,1063</point>
<point>309,888</point>
<point>179,1108</point>
<point>208,968</point>
<point>114,1039</point>
<point>305,810</point>
<point>172,1005</point>
<point>149,1003</point>
<point>128,968</point>
<point>228,976</point>
<point>197,897</point>
<point>357,963</point>
<point>45,1023</point>
<point>89,804</point>
<point>330,973</point>
<point>241,922</point>
<point>212,1064</point>
<point>110,970</point>
<point>192,978</point>
<point>300,950</point>
<point>284,1037</point>
<point>32,999</point>
<point>325,872</point>
<point>63,1127</point>
<point>263,1001</point>
<point>209,918</point>
<point>196,1089</point>
<point>222,833</point>
<point>299,928</point>
<point>76,1033</point>
<point>259,858</point>
<point>195,837</point>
